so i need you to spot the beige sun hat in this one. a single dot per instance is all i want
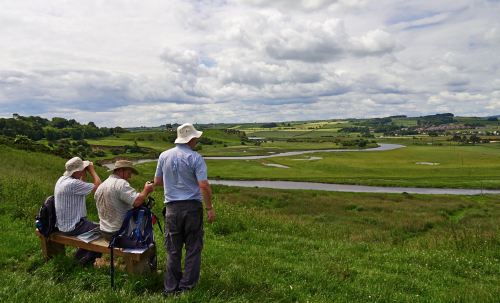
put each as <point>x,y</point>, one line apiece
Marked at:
<point>125,164</point>
<point>75,164</point>
<point>186,132</point>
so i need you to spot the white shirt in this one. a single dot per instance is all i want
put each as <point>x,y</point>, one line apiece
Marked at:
<point>70,206</point>
<point>114,198</point>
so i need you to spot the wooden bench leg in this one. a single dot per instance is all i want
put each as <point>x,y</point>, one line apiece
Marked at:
<point>143,264</point>
<point>50,249</point>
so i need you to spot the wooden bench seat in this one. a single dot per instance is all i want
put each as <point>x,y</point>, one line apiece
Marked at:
<point>134,262</point>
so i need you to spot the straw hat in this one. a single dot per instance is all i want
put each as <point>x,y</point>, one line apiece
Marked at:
<point>75,164</point>
<point>186,132</point>
<point>125,164</point>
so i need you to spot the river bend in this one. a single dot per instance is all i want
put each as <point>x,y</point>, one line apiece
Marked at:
<point>329,186</point>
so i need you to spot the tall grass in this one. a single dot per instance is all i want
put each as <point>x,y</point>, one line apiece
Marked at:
<point>273,246</point>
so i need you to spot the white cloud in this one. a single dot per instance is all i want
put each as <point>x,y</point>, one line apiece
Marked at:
<point>150,62</point>
<point>290,4</point>
<point>492,36</point>
<point>373,42</point>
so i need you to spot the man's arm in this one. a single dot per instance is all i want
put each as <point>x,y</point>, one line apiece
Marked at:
<point>95,178</point>
<point>158,181</point>
<point>141,197</point>
<point>206,191</point>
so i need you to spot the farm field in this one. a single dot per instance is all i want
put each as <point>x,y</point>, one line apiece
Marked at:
<point>222,144</point>
<point>157,140</point>
<point>262,139</point>
<point>273,246</point>
<point>424,162</point>
<point>413,166</point>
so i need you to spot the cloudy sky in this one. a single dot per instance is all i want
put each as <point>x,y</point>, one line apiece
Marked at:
<point>151,62</point>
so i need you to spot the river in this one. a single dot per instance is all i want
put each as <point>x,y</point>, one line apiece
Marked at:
<point>381,147</point>
<point>329,186</point>
<point>353,188</point>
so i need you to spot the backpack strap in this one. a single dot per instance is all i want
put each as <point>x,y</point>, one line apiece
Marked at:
<point>155,220</point>
<point>138,232</point>
<point>112,268</point>
<point>112,261</point>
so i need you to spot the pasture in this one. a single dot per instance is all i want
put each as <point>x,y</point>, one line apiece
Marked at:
<point>220,143</point>
<point>276,245</point>
<point>412,166</point>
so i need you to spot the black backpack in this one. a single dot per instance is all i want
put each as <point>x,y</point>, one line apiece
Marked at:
<point>45,221</point>
<point>136,232</point>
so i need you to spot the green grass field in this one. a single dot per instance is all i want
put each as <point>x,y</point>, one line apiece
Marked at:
<point>273,246</point>
<point>226,144</point>
<point>155,139</point>
<point>455,167</point>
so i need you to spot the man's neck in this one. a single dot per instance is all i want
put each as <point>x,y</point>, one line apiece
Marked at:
<point>184,145</point>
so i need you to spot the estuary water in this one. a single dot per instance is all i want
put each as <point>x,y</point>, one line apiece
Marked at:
<point>381,147</point>
<point>353,188</point>
<point>329,186</point>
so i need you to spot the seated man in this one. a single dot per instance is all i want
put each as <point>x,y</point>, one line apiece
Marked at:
<point>115,197</point>
<point>71,212</point>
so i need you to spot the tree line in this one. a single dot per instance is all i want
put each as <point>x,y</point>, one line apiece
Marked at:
<point>37,128</point>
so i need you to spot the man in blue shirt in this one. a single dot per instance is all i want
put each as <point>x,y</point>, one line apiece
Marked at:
<point>183,174</point>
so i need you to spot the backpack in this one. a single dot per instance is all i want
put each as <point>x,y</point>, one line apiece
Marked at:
<point>136,232</point>
<point>45,221</point>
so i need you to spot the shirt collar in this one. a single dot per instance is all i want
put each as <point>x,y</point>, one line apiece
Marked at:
<point>183,146</point>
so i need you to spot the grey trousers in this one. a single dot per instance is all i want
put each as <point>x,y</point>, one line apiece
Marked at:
<point>183,227</point>
<point>82,255</point>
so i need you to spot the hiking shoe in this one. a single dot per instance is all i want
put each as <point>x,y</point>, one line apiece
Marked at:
<point>86,261</point>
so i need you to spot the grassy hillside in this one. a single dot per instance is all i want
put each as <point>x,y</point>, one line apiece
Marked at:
<point>273,246</point>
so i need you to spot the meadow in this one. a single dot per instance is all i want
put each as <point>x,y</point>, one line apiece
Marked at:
<point>419,166</point>
<point>223,144</point>
<point>273,246</point>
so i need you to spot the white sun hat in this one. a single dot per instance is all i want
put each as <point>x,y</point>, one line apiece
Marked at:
<point>75,164</point>
<point>186,132</point>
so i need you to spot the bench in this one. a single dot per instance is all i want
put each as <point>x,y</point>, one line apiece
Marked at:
<point>135,263</point>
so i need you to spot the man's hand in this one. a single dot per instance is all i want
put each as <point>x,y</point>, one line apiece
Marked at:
<point>211,215</point>
<point>97,181</point>
<point>141,197</point>
<point>206,192</point>
<point>148,187</point>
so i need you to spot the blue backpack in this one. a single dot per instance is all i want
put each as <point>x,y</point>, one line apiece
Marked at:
<point>136,231</point>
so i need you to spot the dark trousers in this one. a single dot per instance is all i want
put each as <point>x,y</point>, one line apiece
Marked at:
<point>183,227</point>
<point>82,255</point>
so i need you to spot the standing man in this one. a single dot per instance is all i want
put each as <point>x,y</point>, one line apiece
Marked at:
<point>71,212</point>
<point>183,174</point>
<point>115,197</point>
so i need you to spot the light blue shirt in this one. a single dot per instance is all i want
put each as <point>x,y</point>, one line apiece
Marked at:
<point>181,169</point>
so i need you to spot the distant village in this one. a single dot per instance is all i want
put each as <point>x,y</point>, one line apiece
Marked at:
<point>474,130</point>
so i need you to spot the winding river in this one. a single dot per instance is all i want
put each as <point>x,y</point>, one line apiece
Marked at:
<point>381,147</point>
<point>329,186</point>
<point>354,188</point>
